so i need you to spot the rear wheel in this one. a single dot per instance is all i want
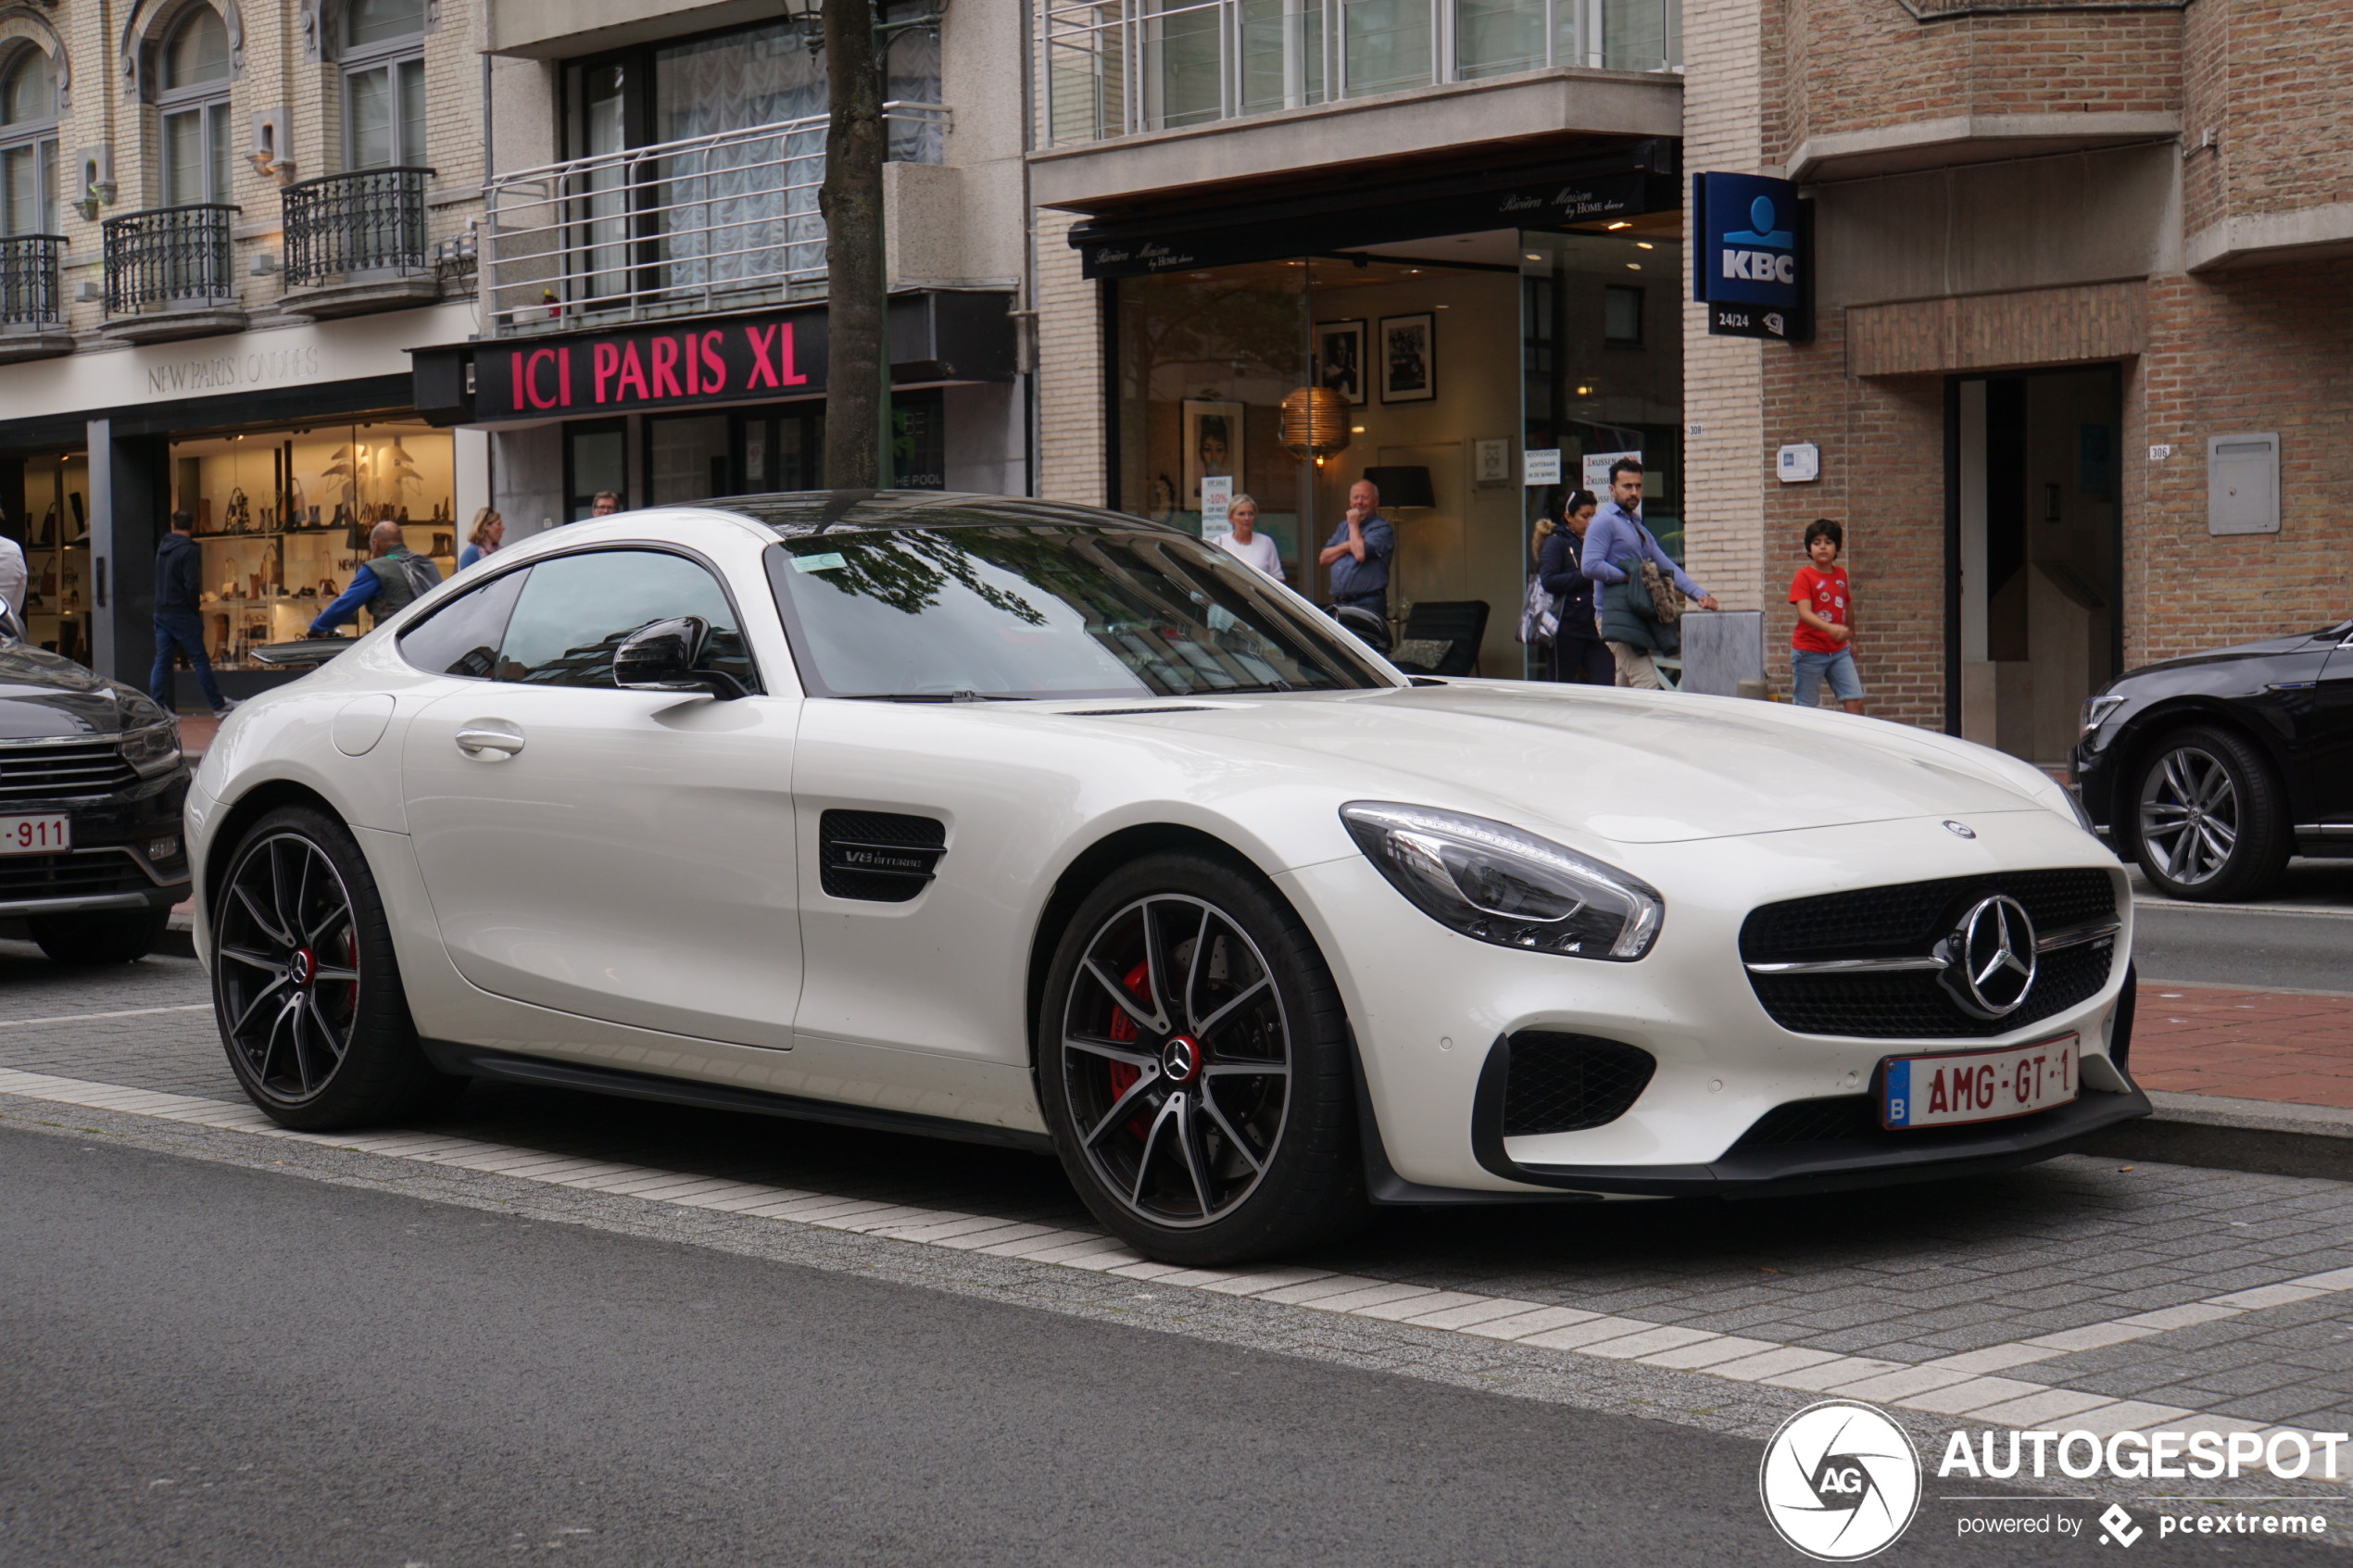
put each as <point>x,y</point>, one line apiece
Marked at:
<point>1194,1065</point>
<point>2211,822</point>
<point>304,986</point>
<point>101,938</point>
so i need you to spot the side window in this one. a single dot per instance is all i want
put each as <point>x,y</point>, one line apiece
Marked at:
<point>461,637</point>
<point>576,609</point>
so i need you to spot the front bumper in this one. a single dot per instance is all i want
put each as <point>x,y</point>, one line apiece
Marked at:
<point>108,870</point>
<point>1428,1009</point>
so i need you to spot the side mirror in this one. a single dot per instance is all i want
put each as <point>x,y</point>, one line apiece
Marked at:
<point>662,657</point>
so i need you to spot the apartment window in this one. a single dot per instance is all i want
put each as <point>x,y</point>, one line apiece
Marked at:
<point>383,84</point>
<point>192,101</point>
<point>27,144</point>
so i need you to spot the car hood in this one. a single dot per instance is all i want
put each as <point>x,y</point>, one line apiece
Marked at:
<point>1633,767</point>
<point>2270,647</point>
<point>44,696</point>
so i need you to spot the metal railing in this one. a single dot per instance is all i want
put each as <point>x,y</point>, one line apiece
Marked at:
<point>169,258</point>
<point>728,221</point>
<point>369,221</point>
<point>29,280</point>
<point>1115,67</point>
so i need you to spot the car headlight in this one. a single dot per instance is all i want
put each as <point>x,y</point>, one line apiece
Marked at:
<point>2095,713</point>
<point>1499,885</point>
<point>152,750</point>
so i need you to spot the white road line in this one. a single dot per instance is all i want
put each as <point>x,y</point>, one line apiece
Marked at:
<point>1961,1386</point>
<point>85,1017</point>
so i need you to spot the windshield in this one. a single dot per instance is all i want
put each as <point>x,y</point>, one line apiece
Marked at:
<point>1025,610</point>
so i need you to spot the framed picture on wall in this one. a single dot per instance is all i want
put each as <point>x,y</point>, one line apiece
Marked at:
<point>1408,358</point>
<point>1340,359</point>
<point>1213,447</point>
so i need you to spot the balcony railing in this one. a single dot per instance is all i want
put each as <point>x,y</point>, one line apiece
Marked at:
<point>167,258</point>
<point>29,280</point>
<point>372,220</point>
<point>1115,67</point>
<point>723,221</point>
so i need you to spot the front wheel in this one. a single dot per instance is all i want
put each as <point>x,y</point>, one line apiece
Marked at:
<point>1193,1062</point>
<point>2210,822</point>
<point>304,981</point>
<point>100,938</point>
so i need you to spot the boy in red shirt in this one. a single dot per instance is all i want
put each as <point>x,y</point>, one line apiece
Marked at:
<point>1821,647</point>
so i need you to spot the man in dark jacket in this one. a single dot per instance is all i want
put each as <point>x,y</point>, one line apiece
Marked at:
<point>179,597</point>
<point>388,583</point>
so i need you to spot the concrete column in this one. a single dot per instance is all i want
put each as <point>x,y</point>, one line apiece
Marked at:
<point>129,490</point>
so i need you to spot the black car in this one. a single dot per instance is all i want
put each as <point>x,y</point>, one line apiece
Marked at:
<point>90,788</point>
<point>2211,771</point>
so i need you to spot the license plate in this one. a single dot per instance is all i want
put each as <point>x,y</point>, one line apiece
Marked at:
<point>35,836</point>
<point>1958,1086</point>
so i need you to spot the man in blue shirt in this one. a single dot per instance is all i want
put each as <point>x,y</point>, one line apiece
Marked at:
<point>1358,552</point>
<point>1617,534</point>
<point>384,585</point>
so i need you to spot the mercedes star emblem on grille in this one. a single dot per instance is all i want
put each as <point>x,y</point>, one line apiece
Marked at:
<point>1991,957</point>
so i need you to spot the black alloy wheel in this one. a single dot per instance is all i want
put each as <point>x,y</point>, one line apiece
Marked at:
<point>2209,823</point>
<point>1195,1066</point>
<point>304,984</point>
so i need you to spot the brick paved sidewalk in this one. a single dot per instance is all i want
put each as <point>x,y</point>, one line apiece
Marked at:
<point>2288,1046</point>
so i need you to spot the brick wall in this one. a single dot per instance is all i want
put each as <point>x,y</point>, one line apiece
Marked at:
<point>1070,371</point>
<point>2276,82</point>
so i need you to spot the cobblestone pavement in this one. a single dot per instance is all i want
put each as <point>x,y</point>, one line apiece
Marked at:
<point>1907,1276</point>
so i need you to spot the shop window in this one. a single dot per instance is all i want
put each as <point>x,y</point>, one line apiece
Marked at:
<point>27,144</point>
<point>1622,316</point>
<point>595,460</point>
<point>784,451</point>
<point>57,554</point>
<point>383,84</point>
<point>283,519</point>
<point>687,458</point>
<point>919,440</point>
<point>192,99</point>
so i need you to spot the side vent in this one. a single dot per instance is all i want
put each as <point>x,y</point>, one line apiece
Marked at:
<point>877,856</point>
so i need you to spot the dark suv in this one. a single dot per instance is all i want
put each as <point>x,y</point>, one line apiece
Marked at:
<point>91,788</point>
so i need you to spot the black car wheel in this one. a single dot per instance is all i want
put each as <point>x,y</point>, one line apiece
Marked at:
<point>305,984</point>
<point>1193,1062</point>
<point>2210,822</point>
<point>100,938</point>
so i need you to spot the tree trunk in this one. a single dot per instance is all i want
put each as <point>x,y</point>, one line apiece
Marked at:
<point>857,352</point>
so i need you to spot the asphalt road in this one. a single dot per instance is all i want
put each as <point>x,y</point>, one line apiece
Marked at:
<point>2254,949</point>
<point>210,1364</point>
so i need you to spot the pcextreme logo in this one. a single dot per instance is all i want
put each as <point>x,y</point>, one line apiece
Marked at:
<point>1839,1481</point>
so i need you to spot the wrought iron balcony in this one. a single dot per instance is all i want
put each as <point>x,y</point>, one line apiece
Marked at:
<point>169,258</point>
<point>1118,68</point>
<point>723,221</point>
<point>29,280</point>
<point>372,220</point>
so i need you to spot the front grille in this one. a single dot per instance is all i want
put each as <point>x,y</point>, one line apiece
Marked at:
<point>62,773</point>
<point>1908,921</point>
<point>1567,1082</point>
<point>881,857</point>
<point>69,876</point>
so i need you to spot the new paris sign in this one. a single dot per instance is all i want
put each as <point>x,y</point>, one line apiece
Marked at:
<point>1754,267</point>
<point>653,366</point>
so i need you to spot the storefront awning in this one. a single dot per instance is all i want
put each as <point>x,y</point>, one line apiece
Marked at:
<point>1623,181</point>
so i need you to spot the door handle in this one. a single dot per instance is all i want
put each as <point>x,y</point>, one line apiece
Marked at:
<point>487,740</point>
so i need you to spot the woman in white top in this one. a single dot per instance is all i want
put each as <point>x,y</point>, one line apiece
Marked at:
<point>1247,542</point>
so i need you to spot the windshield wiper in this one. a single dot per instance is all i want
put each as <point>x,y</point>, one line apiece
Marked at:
<point>1249,686</point>
<point>929,697</point>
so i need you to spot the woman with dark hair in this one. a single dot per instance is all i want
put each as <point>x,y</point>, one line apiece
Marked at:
<point>1577,655</point>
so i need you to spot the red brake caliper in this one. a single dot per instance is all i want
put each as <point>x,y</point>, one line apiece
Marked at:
<point>1123,1031</point>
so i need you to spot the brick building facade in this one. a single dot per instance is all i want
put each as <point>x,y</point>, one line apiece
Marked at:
<point>2062,250</point>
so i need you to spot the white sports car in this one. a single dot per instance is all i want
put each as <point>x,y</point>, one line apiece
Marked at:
<point>1039,826</point>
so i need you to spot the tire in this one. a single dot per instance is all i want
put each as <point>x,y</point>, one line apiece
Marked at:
<point>305,986</point>
<point>2209,820</point>
<point>1240,1141</point>
<point>96,939</point>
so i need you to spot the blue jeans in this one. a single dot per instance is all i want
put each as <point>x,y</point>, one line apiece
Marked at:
<point>177,629</point>
<point>1809,669</point>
